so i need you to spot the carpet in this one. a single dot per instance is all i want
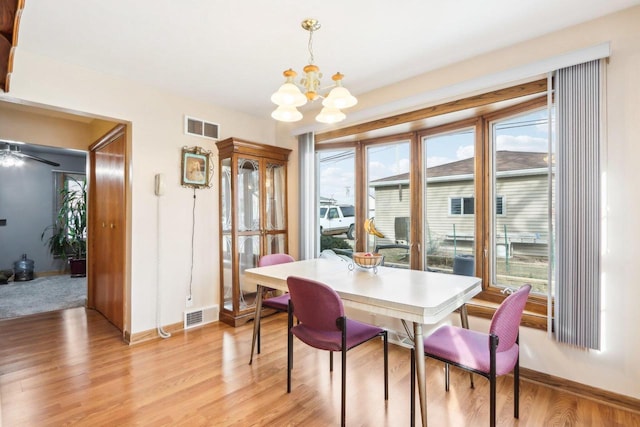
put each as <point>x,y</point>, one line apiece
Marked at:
<point>42,294</point>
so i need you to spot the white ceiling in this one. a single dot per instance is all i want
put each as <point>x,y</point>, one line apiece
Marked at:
<point>232,52</point>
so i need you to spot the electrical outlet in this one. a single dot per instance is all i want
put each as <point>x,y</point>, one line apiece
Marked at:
<point>189,302</point>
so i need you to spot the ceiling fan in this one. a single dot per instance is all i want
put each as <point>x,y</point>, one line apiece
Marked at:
<point>11,155</point>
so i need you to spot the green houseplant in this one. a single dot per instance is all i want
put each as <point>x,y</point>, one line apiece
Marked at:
<point>68,239</point>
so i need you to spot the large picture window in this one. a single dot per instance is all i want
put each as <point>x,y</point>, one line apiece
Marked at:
<point>480,187</point>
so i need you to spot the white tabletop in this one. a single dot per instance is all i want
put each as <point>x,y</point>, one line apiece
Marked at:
<point>411,295</point>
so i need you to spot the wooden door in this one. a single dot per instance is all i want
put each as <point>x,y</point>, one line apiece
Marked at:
<point>107,226</point>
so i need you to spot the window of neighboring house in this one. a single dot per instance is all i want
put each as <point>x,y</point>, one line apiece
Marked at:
<point>461,206</point>
<point>464,205</point>
<point>500,210</point>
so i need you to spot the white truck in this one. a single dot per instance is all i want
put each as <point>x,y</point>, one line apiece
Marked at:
<point>337,219</point>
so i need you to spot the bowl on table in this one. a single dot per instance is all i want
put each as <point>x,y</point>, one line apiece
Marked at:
<point>367,259</point>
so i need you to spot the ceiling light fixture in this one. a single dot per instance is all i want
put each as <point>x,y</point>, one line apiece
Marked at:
<point>8,158</point>
<point>289,96</point>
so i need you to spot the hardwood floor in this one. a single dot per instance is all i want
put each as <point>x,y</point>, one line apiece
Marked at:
<point>71,368</point>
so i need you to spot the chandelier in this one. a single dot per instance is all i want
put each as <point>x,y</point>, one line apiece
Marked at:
<point>289,96</point>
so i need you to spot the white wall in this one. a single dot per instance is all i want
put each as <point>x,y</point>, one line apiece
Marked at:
<point>615,368</point>
<point>156,119</point>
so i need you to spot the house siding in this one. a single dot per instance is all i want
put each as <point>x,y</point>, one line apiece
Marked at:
<point>525,209</point>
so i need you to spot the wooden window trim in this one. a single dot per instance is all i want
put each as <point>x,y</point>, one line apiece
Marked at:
<point>536,308</point>
<point>478,307</point>
<point>531,88</point>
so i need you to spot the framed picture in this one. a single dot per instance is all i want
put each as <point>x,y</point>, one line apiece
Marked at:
<point>196,168</point>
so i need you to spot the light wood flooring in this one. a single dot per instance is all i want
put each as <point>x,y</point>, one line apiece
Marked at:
<point>71,368</point>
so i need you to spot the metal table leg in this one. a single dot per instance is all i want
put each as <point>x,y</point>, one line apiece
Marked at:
<point>420,370</point>
<point>256,320</point>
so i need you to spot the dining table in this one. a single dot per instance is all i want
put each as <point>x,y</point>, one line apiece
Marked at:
<point>416,296</point>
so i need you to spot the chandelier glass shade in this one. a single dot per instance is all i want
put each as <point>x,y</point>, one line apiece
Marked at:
<point>290,95</point>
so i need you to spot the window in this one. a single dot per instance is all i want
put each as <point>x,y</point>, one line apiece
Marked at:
<point>442,193</point>
<point>72,182</point>
<point>389,199</point>
<point>500,205</point>
<point>336,191</point>
<point>450,185</point>
<point>461,206</point>
<point>348,211</point>
<point>520,169</point>
<point>464,205</point>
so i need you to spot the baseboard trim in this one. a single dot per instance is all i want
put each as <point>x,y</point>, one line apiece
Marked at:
<point>151,334</point>
<point>582,390</point>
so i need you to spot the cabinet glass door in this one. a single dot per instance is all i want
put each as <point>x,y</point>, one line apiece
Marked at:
<point>225,221</point>
<point>248,226</point>
<point>248,195</point>
<point>275,208</point>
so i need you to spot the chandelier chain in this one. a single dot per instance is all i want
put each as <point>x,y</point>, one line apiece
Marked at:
<point>310,45</point>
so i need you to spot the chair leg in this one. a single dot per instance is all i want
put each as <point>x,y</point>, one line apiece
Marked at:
<point>331,361</point>
<point>289,346</point>
<point>464,321</point>
<point>386,365</point>
<point>344,373</point>
<point>516,389</point>
<point>493,345</point>
<point>446,377</point>
<point>492,403</point>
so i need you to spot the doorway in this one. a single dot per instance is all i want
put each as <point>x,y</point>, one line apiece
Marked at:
<point>52,134</point>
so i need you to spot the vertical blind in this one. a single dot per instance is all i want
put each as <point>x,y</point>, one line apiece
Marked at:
<point>307,196</point>
<point>577,304</point>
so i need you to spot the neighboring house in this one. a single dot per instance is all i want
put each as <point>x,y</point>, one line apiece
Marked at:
<point>521,205</point>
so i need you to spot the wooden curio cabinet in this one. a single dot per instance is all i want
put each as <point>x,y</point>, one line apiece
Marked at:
<point>253,219</point>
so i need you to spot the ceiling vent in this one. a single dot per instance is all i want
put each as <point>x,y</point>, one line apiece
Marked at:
<point>197,127</point>
<point>200,316</point>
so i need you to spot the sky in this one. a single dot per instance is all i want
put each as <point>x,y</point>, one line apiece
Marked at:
<point>522,133</point>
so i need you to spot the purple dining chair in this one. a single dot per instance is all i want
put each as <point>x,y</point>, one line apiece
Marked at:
<point>488,354</point>
<point>322,324</point>
<point>278,303</point>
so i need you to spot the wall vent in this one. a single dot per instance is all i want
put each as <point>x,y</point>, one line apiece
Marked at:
<point>198,127</point>
<point>200,316</point>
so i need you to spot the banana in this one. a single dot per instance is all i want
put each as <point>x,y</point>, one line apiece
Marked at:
<point>370,227</point>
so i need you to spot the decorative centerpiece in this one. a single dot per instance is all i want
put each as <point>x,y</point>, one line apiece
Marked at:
<point>366,260</point>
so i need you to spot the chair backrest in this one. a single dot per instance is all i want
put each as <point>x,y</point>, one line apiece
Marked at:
<point>315,304</point>
<point>273,259</point>
<point>506,320</point>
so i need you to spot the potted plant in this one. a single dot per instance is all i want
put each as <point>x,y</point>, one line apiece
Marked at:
<point>68,238</point>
